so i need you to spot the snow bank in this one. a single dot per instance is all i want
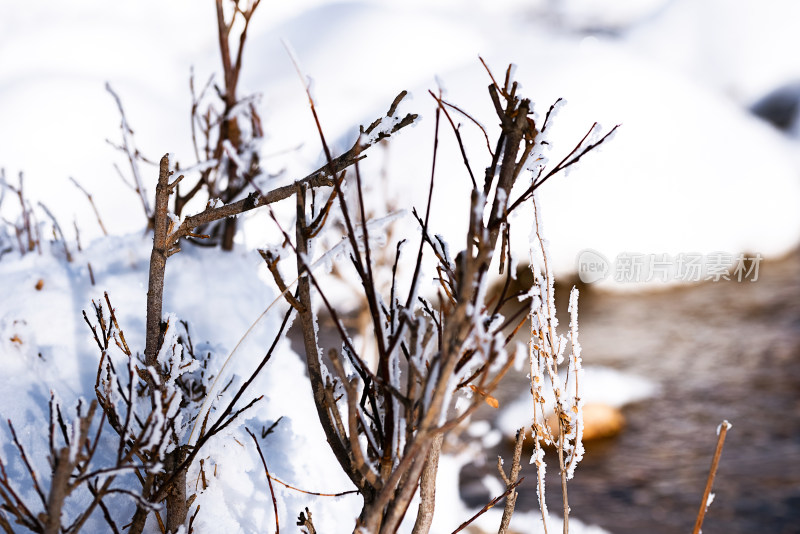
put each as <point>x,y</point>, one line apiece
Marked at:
<point>687,172</point>
<point>46,346</point>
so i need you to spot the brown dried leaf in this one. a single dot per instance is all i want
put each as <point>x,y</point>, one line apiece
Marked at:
<point>491,401</point>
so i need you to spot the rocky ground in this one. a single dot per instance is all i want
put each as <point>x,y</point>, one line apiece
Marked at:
<point>720,350</point>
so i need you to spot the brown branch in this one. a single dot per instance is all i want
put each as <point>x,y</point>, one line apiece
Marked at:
<point>304,520</point>
<point>563,164</point>
<point>723,431</point>
<point>311,345</point>
<point>132,153</point>
<point>488,506</point>
<point>176,502</point>
<point>488,70</point>
<point>272,265</point>
<point>91,202</point>
<point>516,466</point>
<point>406,488</point>
<point>175,491</point>
<point>427,488</point>
<point>458,137</point>
<point>26,213</point>
<point>358,461</point>
<point>57,231</point>
<point>315,493</point>
<point>269,481</point>
<point>322,177</point>
<point>158,265</point>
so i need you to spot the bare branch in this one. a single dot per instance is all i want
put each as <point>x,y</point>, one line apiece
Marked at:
<point>427,488</point>
<point>511,479</point>
<point>91,201</point>
<point>722,431</point>
<point>304,520</point>
<point>489,506</point>
<point>57,231</point>
<point>133,155</point>
<point>269,481</point>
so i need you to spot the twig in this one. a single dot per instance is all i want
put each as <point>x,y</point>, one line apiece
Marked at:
<point>458,137</point>
<point>427,488</point>
<point>489,505</point>
<point>563,164</point>
<point>27,463</point>
<point>315,493</point>
<point>722,431</point>
<point>322,177</point>
<point>269,481</point>
<point>91,201</point>
<point>516,466</point>
<point>304,520</point>
<point>57,231</point>
<point>132,153</point>
<point>26,213</point>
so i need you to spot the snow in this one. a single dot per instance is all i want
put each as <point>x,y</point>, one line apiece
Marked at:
<point>669,182</point>
<point>672,167</point>
<point>724,425</point>
<point>745,56</point>
<point>197,282</point>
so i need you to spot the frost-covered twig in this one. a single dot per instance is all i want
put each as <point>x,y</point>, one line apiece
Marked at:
<point>71,468</point>
<point>570,159</point>
<point>167,233</point>
<point>547,352</point>
<point>150,408</point>
<point>232,134</point>
<point>322,177</point>
<point>385,430</point>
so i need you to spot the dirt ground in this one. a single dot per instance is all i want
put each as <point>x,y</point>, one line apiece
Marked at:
<point>720,350</point>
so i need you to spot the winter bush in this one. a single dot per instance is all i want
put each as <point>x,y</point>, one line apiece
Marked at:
<point>181,435</point>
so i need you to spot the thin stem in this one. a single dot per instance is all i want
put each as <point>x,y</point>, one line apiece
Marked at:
<point>269,481</point>
<point>722,431</point>
<point>489,505</point>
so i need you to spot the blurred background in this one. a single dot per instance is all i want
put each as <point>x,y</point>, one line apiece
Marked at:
<point>705,163</point>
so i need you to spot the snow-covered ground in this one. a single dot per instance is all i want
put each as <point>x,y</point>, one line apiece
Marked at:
<point>690,171</point>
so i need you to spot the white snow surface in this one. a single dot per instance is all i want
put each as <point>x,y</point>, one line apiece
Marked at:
<point>220,295</point>
<point>689,171</point>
